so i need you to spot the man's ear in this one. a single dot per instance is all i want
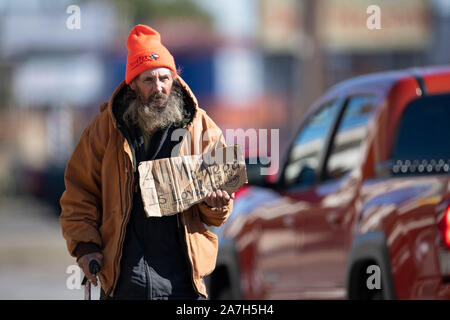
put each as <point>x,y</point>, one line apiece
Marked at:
<point>132,85</point>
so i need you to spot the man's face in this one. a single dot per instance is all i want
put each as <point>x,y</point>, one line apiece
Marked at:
<point>157,102</point>
<point>153,85</point>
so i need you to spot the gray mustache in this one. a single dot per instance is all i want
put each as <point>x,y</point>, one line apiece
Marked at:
<point>157,96</point>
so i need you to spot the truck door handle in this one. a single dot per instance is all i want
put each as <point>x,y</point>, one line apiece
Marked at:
<point>335,217</point>
<point>289,221</point>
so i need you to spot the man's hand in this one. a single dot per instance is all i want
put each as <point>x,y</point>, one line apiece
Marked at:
<point>218,199</point>
<point>84,261</point>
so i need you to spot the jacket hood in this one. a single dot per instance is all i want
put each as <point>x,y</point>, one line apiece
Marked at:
<point>117,104</point>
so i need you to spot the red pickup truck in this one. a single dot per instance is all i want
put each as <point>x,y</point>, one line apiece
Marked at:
<point>360,208</point>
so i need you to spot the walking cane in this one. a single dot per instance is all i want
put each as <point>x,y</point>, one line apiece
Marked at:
<point>94,268</point>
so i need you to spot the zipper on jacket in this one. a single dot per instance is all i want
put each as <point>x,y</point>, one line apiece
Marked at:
<point>184,241</point>
<point>125,220</point>
<point>125,217</point>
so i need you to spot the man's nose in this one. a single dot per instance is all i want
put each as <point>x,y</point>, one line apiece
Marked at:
<point>159,87</point>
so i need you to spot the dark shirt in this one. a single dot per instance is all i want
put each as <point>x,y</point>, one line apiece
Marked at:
<point>154,263</point>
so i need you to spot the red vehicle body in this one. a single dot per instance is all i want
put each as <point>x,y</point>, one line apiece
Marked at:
<point>349,197</point>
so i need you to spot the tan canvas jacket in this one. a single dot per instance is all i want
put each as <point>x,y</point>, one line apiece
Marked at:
<point>99,181</point>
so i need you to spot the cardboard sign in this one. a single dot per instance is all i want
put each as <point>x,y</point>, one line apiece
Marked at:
<point>172,185</point>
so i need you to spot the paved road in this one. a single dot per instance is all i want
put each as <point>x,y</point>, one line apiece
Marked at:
<point>33,254</point>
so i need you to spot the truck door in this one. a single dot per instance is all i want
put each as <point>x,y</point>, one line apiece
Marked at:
<point>327,225</point>
<point>283,224</point>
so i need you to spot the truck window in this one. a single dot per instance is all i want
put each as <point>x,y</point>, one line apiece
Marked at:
<point>304,157</point>
<point>424,131</point>
<point>352,129</point>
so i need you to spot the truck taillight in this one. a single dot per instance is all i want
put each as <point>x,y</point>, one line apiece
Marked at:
<point>444,227</point>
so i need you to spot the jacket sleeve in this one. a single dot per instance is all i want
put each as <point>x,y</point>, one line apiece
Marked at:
<point>81,202</point>
<point>214,216</point>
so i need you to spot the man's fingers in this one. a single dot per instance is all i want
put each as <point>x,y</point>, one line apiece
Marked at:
<point>218,198</point>
<point>84,265</point>
<point>225,198</point>
<point>88,274</point>
<point>209,199</point>
<point>214,199</point>
<point>99,258</point>
<point>92,279</point>
<point>221,201</point>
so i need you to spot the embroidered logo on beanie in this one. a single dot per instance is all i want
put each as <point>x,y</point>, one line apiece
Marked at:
<point>154,56</point>
<point>143,59</point>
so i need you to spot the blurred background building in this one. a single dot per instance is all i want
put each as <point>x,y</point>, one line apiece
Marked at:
<point>251,64</point>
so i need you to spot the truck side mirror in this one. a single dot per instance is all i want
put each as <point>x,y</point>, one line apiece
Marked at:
<point>254,176</point>
<point>307,176</point>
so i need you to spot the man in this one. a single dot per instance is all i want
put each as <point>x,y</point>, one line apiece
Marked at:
<point>102,214</point>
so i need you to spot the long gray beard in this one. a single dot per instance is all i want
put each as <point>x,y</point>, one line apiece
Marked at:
<point>150,116</point>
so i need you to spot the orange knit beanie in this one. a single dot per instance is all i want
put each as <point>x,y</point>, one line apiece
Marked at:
<point>146,51</point>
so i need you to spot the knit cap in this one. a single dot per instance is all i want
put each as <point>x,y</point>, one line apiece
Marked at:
<point>145,51</point>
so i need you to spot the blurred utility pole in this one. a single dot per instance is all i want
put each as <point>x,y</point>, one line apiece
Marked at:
<point>60,133</point>
<point>307,66</point>
<point>312,76</point>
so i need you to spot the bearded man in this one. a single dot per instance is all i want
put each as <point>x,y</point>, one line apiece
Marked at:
<point>103,217</point>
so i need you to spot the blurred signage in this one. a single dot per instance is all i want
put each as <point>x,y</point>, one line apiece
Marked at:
<point>245,68</point>
<point>281,25</point>
<point>75,80</point>
<point>28,28</point>
<point>342,25</point>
